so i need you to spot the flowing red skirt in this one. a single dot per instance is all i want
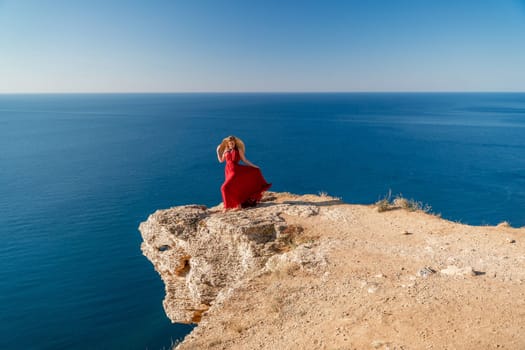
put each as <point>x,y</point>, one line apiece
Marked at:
<point>243,186</point>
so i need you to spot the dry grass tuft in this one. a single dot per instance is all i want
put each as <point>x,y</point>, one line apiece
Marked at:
<point>504,224</point>
<point>411,204</point>
<point>399,202</point>
<point>325,195</point>
<point>384,204</point>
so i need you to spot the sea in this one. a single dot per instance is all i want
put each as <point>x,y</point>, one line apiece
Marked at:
<point>79,172</point>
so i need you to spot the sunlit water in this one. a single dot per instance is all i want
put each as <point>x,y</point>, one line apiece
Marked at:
<point>80,172</point>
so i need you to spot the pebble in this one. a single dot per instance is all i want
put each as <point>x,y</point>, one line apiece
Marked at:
<point>377,344</point>
<point>372,288</point>
<point>426,271</point>
<point>452,270</point>
<point>510,240</point>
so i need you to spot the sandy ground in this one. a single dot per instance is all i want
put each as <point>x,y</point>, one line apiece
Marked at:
<point>378,280</point>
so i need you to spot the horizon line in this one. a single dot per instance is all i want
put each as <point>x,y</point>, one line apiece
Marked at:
<point>259,92</point>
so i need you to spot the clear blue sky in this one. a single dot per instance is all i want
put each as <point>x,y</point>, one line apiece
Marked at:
<point>244,45</point>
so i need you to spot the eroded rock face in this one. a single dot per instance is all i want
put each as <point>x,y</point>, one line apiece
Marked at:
<point>200,252</point>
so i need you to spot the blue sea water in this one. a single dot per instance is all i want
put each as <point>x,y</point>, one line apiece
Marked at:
<point>79,172</point>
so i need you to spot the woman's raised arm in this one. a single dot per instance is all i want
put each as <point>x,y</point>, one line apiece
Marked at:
<point>220,157</point>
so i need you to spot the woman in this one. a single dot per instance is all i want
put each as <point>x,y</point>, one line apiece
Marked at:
<point>244,184</point>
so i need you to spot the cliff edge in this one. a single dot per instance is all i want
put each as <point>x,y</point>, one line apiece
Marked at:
<point>311,272</point>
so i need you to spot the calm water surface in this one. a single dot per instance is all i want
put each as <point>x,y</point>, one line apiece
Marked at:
<point>80,172</point>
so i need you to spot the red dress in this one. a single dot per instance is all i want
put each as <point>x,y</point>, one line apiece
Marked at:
<point>243,185</point>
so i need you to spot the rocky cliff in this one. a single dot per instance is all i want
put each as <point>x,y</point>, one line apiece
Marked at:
<point>312,272</point>
<point>201,254</point>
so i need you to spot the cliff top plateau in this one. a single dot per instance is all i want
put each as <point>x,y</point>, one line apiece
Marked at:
<point>311,272</point>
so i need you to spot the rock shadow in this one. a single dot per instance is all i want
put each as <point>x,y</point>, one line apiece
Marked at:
<point>318,204</point>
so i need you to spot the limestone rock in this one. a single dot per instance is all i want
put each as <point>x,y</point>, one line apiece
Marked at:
<point>200,252</point>
<point>452,270</point>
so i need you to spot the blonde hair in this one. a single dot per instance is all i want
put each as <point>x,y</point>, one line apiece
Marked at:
<point>238,144</point>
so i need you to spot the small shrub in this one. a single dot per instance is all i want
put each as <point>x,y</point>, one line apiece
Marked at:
<point>504,224</point>
<point>399,202</point>
<point>411,204</point>
<point>384,204</point>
